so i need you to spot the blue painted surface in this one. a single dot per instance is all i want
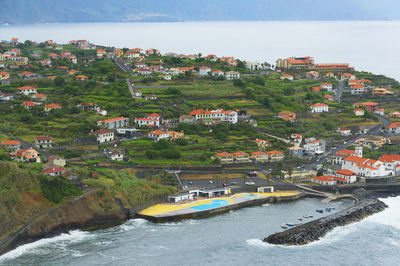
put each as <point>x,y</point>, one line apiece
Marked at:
<point>211,205</point>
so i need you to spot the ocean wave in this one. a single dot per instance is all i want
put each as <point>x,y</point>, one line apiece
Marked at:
<point>33,248</point>
<point>390,216</point>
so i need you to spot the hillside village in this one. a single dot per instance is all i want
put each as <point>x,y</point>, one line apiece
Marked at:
<point>73,109</point>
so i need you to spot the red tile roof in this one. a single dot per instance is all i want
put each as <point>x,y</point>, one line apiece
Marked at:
<point>224,154</point>
<point>345,172</point>
<point>240,153</point>
<point>53,170</point>
<point>319,105</point>
<point>355,159</point>
<point>26,88</point>
<point>113,119</point>
<point>52,105</point>
<point>10,142</point>
<point>101,131</point>
<point>28,103</point>
<point>390,158</point>
<point>157,132</point>
<point>325,178</point>
<point>43,138</point>
<point>274,153</point>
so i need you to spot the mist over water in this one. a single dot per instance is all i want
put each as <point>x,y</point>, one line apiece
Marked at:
<point>367,45</point>
<point>233,238</point>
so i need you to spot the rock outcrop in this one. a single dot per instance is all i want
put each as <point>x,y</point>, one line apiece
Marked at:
<point>317,229</point>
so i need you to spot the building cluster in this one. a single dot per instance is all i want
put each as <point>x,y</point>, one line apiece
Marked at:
<point>307,63</point>
<point>312,147</point>
<point>356,168</point>
<point>244,157</point>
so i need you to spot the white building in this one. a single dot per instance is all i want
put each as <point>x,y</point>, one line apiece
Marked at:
<point>391,162</point>
<point>324,180</point>
<point>225,116</point>
<point>157,135</point>
<point>319,108</point>
<point>364,167</point>
<point>348,175</point>
<point>287,76</point>
<point>117,156</point>
<point>327,86</point>
<point>103,135</point>
<point>27,90</point>
<point>344,131</point>
<point>231,75</point>
<point>54,171</point>
<point>180,197</point>
<point>314,147</point>
<point>203,71</point>
<point>114,122</point>
<point>150,120</point>
<point>218,73</point>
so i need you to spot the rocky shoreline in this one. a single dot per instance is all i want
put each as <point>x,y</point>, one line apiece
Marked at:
<point>315,230</point>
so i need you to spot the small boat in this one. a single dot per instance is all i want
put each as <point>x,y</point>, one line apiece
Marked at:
<point>300,219</point>
<point>284,226</point>
<point>320,211</point>
<point>328,210</point>
<point>310,216</point>
<point>306,216</point>
<point>289,224</point>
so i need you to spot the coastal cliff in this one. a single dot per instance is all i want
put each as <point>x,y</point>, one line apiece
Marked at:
<point>89,211</point>
<point>317,229</point>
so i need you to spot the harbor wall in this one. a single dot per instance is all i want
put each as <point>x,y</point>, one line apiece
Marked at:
<point>222,209</point>
<point>315,230</point>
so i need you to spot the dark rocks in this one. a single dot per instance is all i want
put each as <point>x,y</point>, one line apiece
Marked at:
<point>317,229</point>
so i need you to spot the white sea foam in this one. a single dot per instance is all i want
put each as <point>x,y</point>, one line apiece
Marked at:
<point>73,236</point>
<point>266,204</point>
<point>390,216</point>
<point>258,243</point>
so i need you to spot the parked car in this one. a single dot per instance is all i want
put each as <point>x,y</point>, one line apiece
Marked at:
<point>250,183</point>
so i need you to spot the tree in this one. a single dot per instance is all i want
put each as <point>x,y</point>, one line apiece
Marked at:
<point>59,81</point>
<point>290,172</point>
<point>238,83</point>
<point>244,177</point>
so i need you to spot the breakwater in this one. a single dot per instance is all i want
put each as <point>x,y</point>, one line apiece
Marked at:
<point>173,216</point>
<point>314,230</point>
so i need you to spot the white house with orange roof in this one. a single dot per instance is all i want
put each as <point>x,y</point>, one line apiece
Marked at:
<point>232,75</point>
<point>314,147</point>
<point>152,120</point>
<point>218,73</point>
<point>211,57</point>
<point>348,76</point>
<point>393,128</point>
<point>324,180</point>
<point>224,116</point>
<point>391,162</point>
<point>241,157</point>
<point>275,156</point>
<point>319,108</point>
<point>380,111</point>
<point>29,155</point>
<point>11,144</point>
<point>338,157</point>
<point>262,143</point>
<point>29,104</point>
<point>287,77</point>
<point>103,135</point>
<point>327,86</point>
<point>203,71</point>
<point>348,175</point>
<point>359,112</point>
<point>357,89</point>
<point>38,97</point>
<point>52,106</point>
<point>344,131</point>
<point>260,156</point>
<point>157,135</point>
<point>113,123</point>
<point>329,97</point>
<point>225,157</point>
<point>364,167</point>
<point>27,90</point>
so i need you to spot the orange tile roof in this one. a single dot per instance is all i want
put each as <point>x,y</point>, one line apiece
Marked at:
<point>274,153</point>
<point>390,158</point>
<point>355,159</point>
<point>319,105</point>
<point>325,178</point>
<point>366,166</point>
<point>101,131</point>
<point>113,119</point>
<point>240,153</point>
<point>52,105</point>
<point>28,103</point>
<point>26,88</point>
<point>153,115</point>
<point>394,125</point>
<point>259,153</point>
<point>39,95</point>
<point>10,142</point>
<point>224,154</point>
<point>345,172</point>
<point>158,132</point>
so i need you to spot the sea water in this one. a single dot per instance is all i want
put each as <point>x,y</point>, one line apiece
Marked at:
<point>367,45</point>
<point>233,238</point>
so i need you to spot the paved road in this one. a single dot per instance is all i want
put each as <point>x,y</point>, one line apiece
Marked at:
<point>122,66</point>
<point>339,90</point>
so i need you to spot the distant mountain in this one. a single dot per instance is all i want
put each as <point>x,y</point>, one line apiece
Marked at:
<point>50,11</point>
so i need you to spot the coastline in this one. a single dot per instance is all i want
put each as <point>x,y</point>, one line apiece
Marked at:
<point>92,220</point>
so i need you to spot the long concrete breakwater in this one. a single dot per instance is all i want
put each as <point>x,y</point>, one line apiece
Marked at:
<point>315,230</point>
<point>170,217</point>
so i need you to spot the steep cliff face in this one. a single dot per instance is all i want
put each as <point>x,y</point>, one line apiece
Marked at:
<point>89,211</point>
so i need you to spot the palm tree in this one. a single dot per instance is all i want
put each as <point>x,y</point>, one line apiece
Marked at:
<point>216,178</point>
<point>290,172</point>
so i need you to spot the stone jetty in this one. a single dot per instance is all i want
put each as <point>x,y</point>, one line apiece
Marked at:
<point>314,230</point>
